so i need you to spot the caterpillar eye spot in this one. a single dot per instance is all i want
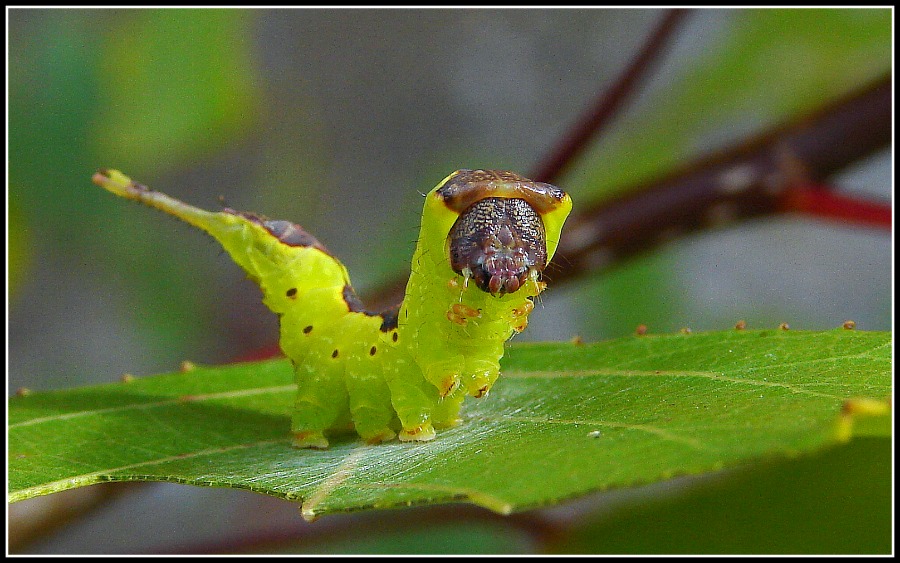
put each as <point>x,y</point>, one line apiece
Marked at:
<point>307,329</point>
<point>334,354</point>
<point>292,292</point>
<point>373,350</point>
<point>395,337</point>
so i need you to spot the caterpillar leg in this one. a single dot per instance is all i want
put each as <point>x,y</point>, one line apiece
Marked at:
<point>444,374</point>
<point>412,398</point>
<point>373,424</point>
<point>482,371</point>
<point>480,379</point>
<point>320,404</point>
<point>446,412</point>
<point>309,439</point>
<point>369,396</point>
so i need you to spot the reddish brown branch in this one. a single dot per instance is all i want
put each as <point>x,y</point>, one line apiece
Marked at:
<point>608,104</point>
<point>748,180</point>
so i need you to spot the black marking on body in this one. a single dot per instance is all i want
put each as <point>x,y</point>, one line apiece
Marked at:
<point>286,232</point>
<point>355,304</point>
<point>389,319</point>
<point>469,186</point>
<point>499,242</point>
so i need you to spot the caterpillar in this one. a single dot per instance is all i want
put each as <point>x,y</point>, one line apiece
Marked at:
<point>486,236</point>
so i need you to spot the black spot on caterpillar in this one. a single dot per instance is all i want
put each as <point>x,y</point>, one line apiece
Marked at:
<point>485,238</point>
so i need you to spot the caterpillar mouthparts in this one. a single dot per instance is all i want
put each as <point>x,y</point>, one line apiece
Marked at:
<point>501,241</point>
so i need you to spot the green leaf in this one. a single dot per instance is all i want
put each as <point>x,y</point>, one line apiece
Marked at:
<point>836,501</point>
<point>565,420</point>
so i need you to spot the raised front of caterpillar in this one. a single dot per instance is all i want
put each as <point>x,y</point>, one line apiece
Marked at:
<point>486,236</point>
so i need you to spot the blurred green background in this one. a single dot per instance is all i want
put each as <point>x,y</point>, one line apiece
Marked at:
<point>338,119</point>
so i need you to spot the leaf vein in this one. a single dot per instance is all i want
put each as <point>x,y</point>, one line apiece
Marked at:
<point>165,403</point>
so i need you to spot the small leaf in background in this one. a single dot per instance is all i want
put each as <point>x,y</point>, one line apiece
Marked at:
<point>565,420</point>
<point>177,93</point>
<point>53,90</point>
<point>180,81</point>
<point>18,251</point>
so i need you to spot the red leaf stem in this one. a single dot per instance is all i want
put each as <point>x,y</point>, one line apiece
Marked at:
<point>819,201</point>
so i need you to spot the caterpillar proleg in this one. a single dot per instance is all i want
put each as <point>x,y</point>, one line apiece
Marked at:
<point>486,236</point>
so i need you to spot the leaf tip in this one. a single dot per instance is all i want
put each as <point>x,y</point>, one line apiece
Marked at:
<point>852,410</point>
<point>308,513</point>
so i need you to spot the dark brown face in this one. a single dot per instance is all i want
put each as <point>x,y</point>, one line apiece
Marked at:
<point>498,242</point>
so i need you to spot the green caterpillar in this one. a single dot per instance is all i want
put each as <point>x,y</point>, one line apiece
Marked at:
<point>485,238</point>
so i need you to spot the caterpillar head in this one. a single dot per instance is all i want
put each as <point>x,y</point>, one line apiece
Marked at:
<point>499,239</point>
<point>499,243</point>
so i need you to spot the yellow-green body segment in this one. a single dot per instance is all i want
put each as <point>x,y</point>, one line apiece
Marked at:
<point>355,369</point>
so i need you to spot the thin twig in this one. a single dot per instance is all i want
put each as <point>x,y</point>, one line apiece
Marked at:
<point>606,107</point>
<point>751,179</point>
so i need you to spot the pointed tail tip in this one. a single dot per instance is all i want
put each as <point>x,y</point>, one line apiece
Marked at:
<point>113,181</point>
<point>100,176</point>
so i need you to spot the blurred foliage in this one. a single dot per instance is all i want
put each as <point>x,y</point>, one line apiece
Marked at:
<point>770,65</point>
<point>186,88</point>
<point>157,89</point>
<point>432,537</point>
<point>834,502</point>
<point>17,249</point>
